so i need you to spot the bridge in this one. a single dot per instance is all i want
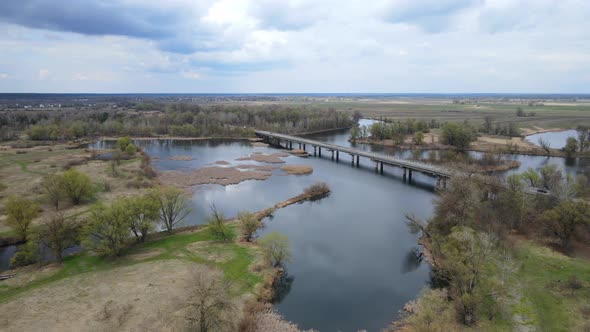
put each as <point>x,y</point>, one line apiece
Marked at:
<point>408,166</point>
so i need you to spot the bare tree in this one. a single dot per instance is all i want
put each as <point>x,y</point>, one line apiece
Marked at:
<point>218,227</point>
<point>545,145</point>
<point>210,305</point>
<point>249,224</point>
<point>173,204</point>
<point>53,187</point>
<point>59,234</point>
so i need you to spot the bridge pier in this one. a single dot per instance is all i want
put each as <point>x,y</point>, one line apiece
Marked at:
<point>319,151</point>
<point>404,173</point>
<point>299,146</point>
<point>352,159</point>
<point>290,145</point>
<point>381,168</point>
<point>357,161</point>
<point>332,154</point>
<point>303,146</point>
<point>314,151</point>
<point>409,175</point>
<point>337,155</point>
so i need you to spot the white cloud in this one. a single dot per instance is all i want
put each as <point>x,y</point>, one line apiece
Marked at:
<point>4,76</point>
<point>311,46</point>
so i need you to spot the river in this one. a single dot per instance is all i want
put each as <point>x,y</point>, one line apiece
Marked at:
<point>353,264</point>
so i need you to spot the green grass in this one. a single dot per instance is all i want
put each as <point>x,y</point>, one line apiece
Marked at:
<point>172,247</point>
<point>547,300</point>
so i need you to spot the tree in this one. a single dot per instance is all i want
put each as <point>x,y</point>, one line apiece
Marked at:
<point>107,230</point>
<point>418,138</point>
<point>249,224</point>
<point>26,255</point>
<point>209,303</point>
<point>130,150</point>
<point>53,187</point>
<point>467,255</point>
<point>571,146</point>
<point>583,137</point>
<point>354,133</point>
<point>356,116</point>
<point>218,227</point>
<point>532,177</point>
<point>59,234</point>
<point>545,145</point>
<point>563,220</point>
<point>173,204</point>
<point>456,206</point>
<point>77,186</point>
<point>123,142</point>
<point>143,214</point>
<point>459,136</point>
<point>276,247</point>
<point>20,212</point>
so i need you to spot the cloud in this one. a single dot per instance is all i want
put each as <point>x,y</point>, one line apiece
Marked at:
<point>430,15</point>
<point>4,76</point>
<point>294,45</point>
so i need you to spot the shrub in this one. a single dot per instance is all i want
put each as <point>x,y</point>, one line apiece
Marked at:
<point>317,188</point>
<point>130,150</point>
<point>123,142</point>
<point>28,254</point>
<point>59,234</point>
<point>218,227</point>
<point>276,248</point>
<point>249,224</point>
<point>77,186</point>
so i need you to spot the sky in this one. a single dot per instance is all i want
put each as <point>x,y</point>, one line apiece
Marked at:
<point>295,46</point>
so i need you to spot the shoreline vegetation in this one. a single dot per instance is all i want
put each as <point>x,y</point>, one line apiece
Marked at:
<point>255,314</point>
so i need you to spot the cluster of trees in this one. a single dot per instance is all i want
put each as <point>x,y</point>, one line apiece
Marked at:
<point>506,129</point>
<point>458,135</point>
<point>171,119</point>
<point>395,131</point>
<point>108,229</point>
<point>521,113</point>
<point>472,260</point>
<point>580,144</point>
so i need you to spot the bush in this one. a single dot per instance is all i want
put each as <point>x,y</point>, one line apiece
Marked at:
<point>123,142</point>
<point>276,248</point>
<point>28,254</point>
<point>317,188</point>
<point>218,227</point>
<point>249,224</point>
<point>77,186</point>
<point>130,150</point>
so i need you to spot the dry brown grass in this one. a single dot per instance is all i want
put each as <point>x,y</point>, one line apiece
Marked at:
<point>273,158</point>
<point>147,296</point>
<point>297,169</point>
<point>212,175</point>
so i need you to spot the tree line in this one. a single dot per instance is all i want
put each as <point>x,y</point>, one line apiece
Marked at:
<point>171,119</point>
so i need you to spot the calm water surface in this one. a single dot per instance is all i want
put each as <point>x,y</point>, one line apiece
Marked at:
<point>353,263</point>
<point>556,139</point>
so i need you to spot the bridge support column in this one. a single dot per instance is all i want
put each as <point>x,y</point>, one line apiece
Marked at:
<point>314,151</point>
<point>303,146</point>
<point>357,161</point>
<point>337,155</point>
<point>376,166</point>
<point>405,169</point>
<point>381,168</point>
<point>299,146</point>
<point>332,154</point>
<point>410,175</point>
<point>290,145</point>
<point>319,151</point>
<point>352,159</point>
<point>438,181</point>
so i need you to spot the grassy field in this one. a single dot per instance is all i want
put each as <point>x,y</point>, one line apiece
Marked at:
<point>551,115</point>
<point>163,267</point>
<point>555,289</point>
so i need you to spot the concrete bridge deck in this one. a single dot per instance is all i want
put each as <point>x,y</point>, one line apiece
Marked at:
<point>380,159</point>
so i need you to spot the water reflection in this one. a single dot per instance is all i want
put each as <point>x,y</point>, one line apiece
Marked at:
<point>282,286</point>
